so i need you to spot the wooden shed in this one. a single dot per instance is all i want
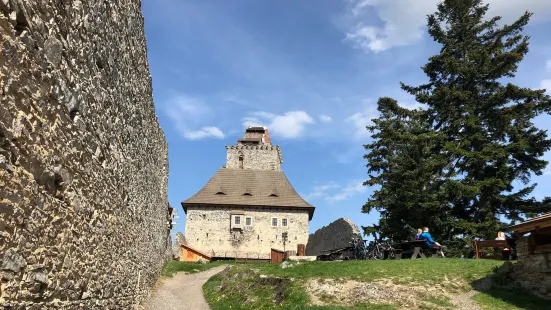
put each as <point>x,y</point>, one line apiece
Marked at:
<point>190,254</point>
<point>539,241</point>
<point>533,268</point>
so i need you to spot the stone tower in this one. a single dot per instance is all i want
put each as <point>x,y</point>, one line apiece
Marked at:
<point>246,207</point>
<point>254,152</point>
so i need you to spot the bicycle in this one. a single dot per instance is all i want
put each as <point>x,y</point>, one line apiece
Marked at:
<point>359,249</point>
<point>376,249</point>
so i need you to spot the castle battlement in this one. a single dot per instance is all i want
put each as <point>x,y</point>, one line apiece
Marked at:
<point>253,147</point>
<point>254,152</point>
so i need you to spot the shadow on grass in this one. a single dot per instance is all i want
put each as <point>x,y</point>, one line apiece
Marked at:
<point>497,292</point>
<point>496,298</point>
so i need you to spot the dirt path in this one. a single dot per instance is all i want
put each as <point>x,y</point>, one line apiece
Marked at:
<point>465,301</point>
<point>183,291</point>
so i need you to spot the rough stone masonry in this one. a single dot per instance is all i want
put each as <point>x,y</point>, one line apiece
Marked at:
<point>83,162</point>
<point>336,235</point>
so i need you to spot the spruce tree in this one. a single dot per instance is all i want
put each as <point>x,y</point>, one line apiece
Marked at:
<point>403,165</point>
<point>486,147</point>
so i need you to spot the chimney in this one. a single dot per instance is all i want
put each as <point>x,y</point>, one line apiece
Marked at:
<point>267,139</point>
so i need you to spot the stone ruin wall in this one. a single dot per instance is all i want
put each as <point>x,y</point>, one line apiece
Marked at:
<point>83,162</point>
<point>335,235</point>
<point>179,239</point>
<point>532,271</point>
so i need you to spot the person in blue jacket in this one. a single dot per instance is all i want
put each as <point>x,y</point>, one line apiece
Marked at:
<point>430,242</point>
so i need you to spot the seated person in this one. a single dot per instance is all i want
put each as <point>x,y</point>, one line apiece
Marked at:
<point>418,235</point>
<point>505,252</point>
<point>430,242</point>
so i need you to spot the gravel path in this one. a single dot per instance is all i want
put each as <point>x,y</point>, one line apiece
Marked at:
<point>183,291</point>
<point>465,301</point>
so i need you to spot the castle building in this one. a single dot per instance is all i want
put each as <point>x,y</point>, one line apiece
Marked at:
<point>246,207</point>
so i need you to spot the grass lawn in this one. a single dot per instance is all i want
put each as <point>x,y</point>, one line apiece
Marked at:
<point>401,271</point>
<point>173,267</point>
<point>268,286</point>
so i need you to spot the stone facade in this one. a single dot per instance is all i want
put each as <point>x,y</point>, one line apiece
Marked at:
<point>335,235</point>
<point>209,230</point>
<point>232,215</point>
<point>256,157</point>
<point>83,162</point>
<point>533,271</point>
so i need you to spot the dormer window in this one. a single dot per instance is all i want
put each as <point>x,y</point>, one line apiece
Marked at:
<point>220,193</point>
<point>274,195</point>
<point>247,194</point>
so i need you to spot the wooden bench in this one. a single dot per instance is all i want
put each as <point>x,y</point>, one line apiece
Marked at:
<point>495,244</point>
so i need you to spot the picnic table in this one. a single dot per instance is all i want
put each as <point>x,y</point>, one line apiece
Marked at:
<point>414,247</point>
<point>335,254</point>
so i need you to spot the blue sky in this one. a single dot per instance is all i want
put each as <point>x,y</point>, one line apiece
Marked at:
<point>311,71</point>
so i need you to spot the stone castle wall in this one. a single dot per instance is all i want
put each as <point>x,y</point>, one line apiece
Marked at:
<point>256,157</point>
<point>335,235</point>
<point>83,162</point>
<point>209,230</point>
<point>532,272</point>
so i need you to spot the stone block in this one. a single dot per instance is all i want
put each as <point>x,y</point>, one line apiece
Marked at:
<point>302,258</point>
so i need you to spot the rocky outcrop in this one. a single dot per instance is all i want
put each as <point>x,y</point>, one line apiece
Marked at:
<point>83,162</point>
<point>335,235</point>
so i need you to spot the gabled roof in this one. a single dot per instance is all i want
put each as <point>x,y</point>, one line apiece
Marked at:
<point>188,247</point>
<point>260,184</point>
<point>538,222</point>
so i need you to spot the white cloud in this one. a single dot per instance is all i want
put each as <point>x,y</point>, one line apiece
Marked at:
<point>547,85</point>
<point>548,65</point>
<point>325,118</point>
<point>410,105</point>
<point>404,20</point>
<point>204,132</point>
<point>360,120</point>
<point>187,112</point>
<point>332,192</point>
<point>353,188</point>
<point>319,191</point>
<point>287,126</point>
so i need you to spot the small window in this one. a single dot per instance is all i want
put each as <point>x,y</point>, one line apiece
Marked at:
<point>220,193</point>
<point>248,221</point>
<point>247,194</point>
<point>273,195</point>
<point>237,220</point>
<point>274,222</point>
<point>284,222</point>
<point>240,162</point>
